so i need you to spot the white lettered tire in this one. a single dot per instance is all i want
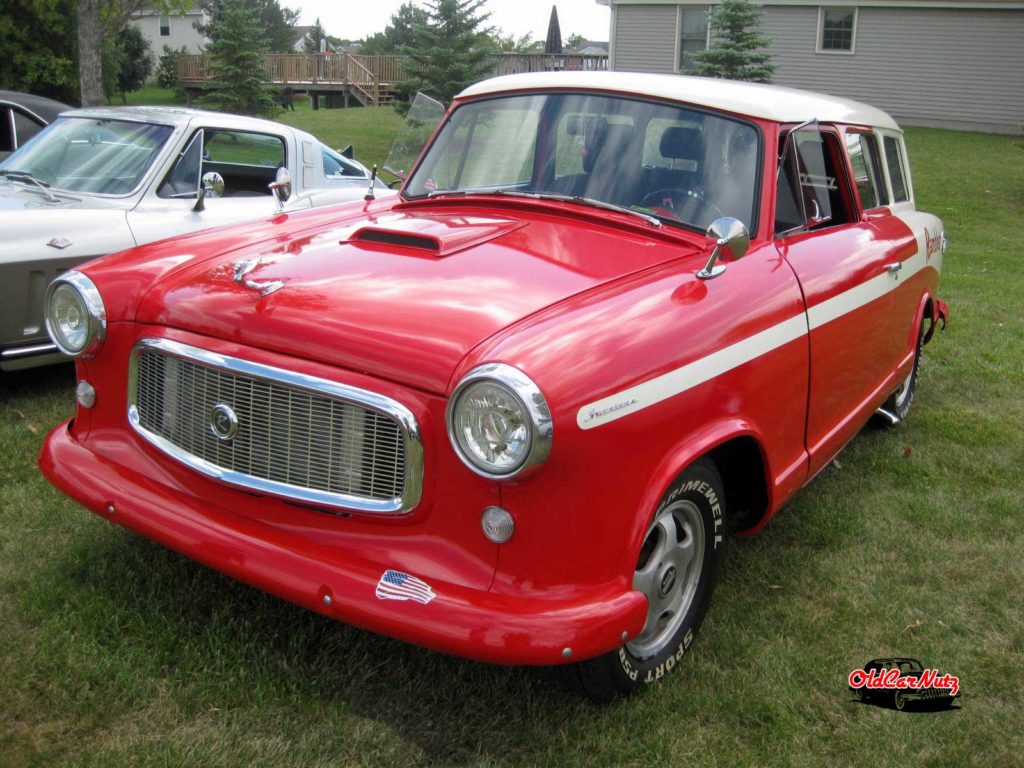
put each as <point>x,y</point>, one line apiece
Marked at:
<point>677,570</point>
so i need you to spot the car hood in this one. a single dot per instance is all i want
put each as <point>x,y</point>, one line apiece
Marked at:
<point>34,229</point>
<point>15,196</point>
<point>402,295</point>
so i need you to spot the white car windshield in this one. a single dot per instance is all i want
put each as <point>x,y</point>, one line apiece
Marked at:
<point>80,154</point>
<point>682,165</point>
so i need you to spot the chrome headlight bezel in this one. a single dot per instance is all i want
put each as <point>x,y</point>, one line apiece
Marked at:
<point>538,417</point>
<point>95,314</point>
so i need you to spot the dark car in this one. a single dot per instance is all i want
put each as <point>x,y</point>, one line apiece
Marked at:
<point>935,692</point>
<point>22,116</point>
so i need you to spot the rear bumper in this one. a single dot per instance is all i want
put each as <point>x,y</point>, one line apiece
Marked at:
<point>465,622</point>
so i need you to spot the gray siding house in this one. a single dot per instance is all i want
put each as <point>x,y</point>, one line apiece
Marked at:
<point>945,63</point>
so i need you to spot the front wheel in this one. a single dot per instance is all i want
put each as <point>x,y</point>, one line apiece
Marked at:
<point>677,569</point>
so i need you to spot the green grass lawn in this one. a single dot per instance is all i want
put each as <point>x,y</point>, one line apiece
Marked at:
<point>116,652</point>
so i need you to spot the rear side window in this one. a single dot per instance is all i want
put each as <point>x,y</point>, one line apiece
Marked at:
<point>867,170</point>
<point>894,162</point>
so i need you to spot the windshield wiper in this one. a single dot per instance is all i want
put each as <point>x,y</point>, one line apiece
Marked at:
<point>28,178</point>
<point>654,221</point>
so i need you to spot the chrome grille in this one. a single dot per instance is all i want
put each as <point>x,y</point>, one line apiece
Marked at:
<point>293,438</point>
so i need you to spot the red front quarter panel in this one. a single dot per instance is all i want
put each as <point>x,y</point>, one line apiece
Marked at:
<point>582,515</point>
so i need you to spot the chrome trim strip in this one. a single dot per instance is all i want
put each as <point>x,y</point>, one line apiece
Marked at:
<point>522,387</point>
<point>35,349</point>
<point>93,303</point>
<point>413,485</point>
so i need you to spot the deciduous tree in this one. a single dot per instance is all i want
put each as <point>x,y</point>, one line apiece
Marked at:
<point>276,21</point>
<point>37,48</point>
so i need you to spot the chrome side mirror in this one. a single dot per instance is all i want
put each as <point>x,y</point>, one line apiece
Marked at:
<point>211,186</point>
<point>281,186</point>
<point>725,234</point>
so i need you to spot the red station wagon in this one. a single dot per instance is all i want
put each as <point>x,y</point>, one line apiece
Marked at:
<point>512,413</point>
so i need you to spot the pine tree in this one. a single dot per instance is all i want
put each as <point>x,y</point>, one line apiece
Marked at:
<point>311,42</point>
<point>738,49</point>
<point>237,58</point>
<point>454,50</point>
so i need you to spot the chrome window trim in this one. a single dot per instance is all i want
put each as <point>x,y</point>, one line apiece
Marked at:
<point>522,387</point>
<point>412,488</point>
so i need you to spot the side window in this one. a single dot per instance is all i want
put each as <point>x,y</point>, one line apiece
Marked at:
<point>894,162</point>
<point>7,143</point>
<point>867,170</point>
<point>336,165</point>
<point>812,191</point>
<point>183,180</point>
<point>25,127</point>
<point>240,148</point>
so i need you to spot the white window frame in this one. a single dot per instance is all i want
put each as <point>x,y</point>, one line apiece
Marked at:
<point>162,26</point>
<point>679,32</point>
<point>821,30</point>
<point>904,159</point>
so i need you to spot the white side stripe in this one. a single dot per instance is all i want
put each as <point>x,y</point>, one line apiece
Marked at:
<point>686,377</point>
<point>691,374</point>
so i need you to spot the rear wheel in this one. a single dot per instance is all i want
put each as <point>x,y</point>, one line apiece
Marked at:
<point>899,402</point>
<point>677,569</point>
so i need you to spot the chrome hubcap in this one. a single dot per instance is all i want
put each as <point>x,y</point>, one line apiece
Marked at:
<point>904,391</point>
<point>668,573</point>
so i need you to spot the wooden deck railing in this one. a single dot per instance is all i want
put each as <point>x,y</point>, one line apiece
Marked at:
<point>371,76</point>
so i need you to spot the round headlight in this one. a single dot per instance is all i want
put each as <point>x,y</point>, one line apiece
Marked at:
<point>499,422</point>
<point>75,317</point>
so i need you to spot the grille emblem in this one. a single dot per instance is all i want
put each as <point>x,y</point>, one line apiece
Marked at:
<point>223,422</point>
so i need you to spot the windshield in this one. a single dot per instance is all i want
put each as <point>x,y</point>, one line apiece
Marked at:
<point>681,165</point>
<point>79,154</point>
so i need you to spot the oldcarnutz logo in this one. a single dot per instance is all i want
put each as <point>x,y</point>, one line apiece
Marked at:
<point>894,680</point>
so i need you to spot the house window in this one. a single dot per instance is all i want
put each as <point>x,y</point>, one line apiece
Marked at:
<point>165,26</point>
<point>693,36</point>
<point>837,29</point>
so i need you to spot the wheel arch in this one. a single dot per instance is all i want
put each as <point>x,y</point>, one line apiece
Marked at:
<point>736,448</point>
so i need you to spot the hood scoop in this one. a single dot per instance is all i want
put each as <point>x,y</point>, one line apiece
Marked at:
<point>433,234</point>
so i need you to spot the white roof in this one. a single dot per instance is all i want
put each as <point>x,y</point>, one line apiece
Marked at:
<point>182,117</point>
<point>771,102</point>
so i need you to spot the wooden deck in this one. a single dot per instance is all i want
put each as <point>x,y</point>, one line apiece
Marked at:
<point>368,79</point>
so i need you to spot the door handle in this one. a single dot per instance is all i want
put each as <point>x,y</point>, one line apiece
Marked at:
<point>893,268</point>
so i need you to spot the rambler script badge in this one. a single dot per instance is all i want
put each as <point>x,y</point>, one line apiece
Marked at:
<point>223,422</point>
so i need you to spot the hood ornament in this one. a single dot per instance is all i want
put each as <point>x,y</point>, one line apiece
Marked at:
<point>244,266</point>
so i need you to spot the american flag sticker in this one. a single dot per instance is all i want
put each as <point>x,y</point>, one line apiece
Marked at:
<point>395,585</point>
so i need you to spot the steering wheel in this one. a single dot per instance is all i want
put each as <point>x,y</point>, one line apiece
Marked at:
<point>678,200</point>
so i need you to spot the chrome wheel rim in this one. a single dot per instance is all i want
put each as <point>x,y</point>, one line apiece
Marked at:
<point>900,701</point>
<point>668,573</point>
<point>903,392</point>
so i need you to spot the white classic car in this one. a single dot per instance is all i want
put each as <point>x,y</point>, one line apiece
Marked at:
<point>101,180</point>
